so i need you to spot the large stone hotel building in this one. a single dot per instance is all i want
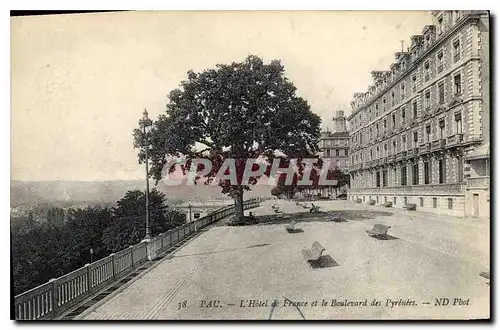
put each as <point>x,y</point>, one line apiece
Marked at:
<point>420,134</point>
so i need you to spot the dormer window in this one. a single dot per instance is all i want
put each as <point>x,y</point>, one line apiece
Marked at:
<point>440,25</point>
<point>427,41</point>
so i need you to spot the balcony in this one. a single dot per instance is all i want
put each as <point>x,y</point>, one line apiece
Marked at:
<point>419,190</point>
<point>413,152</point>
<point>478,182</point>
<point>438,144</point>
<point>455,139</point>
<point>425,148</point>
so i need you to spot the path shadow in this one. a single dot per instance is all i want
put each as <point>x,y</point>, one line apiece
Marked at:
<point>325,261</point>
<point>295,231</point>
<point>221,251</point>
<point>384,237</point>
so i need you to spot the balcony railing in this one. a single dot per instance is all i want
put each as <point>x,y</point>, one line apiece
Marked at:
<point>478,182</point>
<point>425,148</point>
<point>428,189</point>
<point>54,298</point>
<point>455,139</point>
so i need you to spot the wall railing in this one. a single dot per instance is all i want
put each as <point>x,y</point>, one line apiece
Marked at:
<point>52,299</point>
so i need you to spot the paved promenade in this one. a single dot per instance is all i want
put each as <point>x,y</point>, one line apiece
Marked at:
<point>237,272</point>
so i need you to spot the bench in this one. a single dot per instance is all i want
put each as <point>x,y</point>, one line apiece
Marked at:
<point>314,254</point>
<point>290,227</point>
<point>277,210</point>
<point>371,202</point>
<point>336,217</point>
<point>388,204</point>
<point>314,209</point>
<point>358,200</point>
<point>379,230</point>
<point>410,207</point>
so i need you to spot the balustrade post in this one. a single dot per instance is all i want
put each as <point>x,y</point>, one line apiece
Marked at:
<point>113,263</point>
<point>54,300</point>
<point>132,255</point>
<point>89,279</point>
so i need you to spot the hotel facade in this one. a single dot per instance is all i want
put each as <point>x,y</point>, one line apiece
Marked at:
<point>420,134</point>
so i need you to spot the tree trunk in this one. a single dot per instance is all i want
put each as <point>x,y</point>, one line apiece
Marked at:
<point>238,204</point>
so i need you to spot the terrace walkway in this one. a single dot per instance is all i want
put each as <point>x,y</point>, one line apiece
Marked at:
<point>237,272</point>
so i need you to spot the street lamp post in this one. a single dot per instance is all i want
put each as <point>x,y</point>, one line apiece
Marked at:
<point>146,124</point>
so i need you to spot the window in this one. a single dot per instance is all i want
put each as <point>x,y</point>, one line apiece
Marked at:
<point>384,104</point>
<point>404,142</point>
<point>393,120</point>
<point>450,203</point>
<point>393,98</point>
<point>346,151</point>
<point>458,123</point>
<point>337,152</point>
<point>415,138</point>
<point>327,152</point>
<point>427,71</point>
<point>434,202</point>
<point>456,15</point>
<point>427,172</point>
<point>456,50</point>
<point>385,124</point>
<point>415,110</point>
<point>371,154</point>
<point>403,95</point>
<point>457,82</point>
<point>442,171</point>
<point>415,174</point>
<point>394,200</point>
<point>427,99</point>
<point>403,176</point>
<point>428,133</point>
<point>384,177</point>
<point>376,126</point>
<point>377,177</point>
<point>421,201</point>
<point>441,92</point>
<point>441,129</point>
<point>403,113</point>
<point>440,62</point>
<point>414,83</point>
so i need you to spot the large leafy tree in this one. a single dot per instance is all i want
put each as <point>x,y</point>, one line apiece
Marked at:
<point>240,111</point>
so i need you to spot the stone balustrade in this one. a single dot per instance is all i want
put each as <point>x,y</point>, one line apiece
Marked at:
<point>54,298</point>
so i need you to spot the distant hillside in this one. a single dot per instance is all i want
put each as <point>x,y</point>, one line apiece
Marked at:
<point>31,192</point>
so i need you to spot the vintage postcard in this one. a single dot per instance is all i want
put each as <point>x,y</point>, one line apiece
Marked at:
<point>251,165</point>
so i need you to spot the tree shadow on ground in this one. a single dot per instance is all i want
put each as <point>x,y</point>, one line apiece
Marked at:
<point>285,218</point>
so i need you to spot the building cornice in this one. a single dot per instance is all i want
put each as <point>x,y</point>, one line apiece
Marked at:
<point>439,41</point>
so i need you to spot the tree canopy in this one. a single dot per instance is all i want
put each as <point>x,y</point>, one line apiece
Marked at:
<point>241,111</point>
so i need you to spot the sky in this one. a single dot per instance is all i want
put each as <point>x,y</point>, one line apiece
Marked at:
<point>79,83</point>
